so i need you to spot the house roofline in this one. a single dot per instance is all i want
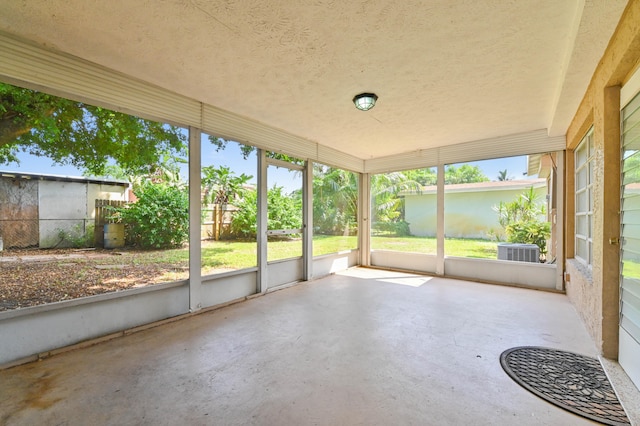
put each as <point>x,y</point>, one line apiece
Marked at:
<point>59,178</point>
<point>508,185</point>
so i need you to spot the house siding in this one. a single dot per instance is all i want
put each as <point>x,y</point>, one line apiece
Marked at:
<point>468,213</point>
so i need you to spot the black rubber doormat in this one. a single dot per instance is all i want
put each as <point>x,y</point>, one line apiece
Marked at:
<point>571,381</point>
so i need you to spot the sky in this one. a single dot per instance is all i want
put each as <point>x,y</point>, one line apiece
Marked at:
<point>231,157</point>
<point>516,167</point>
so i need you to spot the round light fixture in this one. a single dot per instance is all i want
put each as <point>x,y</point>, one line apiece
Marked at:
<point>365,101</point>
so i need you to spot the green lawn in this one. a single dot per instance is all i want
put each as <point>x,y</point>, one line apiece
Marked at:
<point>238,255</point>
<point>460,247</point>
<point>327,244</point>
<point>231,255</point>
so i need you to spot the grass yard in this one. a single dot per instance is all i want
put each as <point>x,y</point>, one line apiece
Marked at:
<point>34,277</point>
<point>233,255</point>
<point>459,247</point>
<point>484,249</point>
<point>228,255</point>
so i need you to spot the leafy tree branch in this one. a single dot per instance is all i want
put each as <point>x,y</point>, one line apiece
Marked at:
<point>83,135</point>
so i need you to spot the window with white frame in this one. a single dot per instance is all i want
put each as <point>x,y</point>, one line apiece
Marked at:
<point>584,199</point>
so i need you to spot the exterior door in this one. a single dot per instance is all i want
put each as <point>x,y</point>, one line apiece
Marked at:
<point>629,350</point>
<point>285,225</point>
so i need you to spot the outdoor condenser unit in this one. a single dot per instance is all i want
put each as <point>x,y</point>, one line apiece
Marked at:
<point>519,252</point>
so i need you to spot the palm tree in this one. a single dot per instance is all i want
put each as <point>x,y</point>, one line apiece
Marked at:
<point>502,175</point>
<point>221,185</point>
<point>335,200</point>
<point>388,203</point>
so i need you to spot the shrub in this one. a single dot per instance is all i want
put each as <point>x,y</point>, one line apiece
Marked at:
<point>397,229</point>
<point>521,221</point>
<point>243,221</point>
<point>160,217</point>
<point>284,212</point>
<point>532,232</point>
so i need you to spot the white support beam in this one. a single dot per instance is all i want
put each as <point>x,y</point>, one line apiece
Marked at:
<point>261,223</point>
<point>307,220</point>
<point>195,208</point>
<point>559,196</point>
<point>440,222</point>
<point>364,222</point>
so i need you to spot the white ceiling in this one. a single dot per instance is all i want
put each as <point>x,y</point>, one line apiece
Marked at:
<point>445,71</point>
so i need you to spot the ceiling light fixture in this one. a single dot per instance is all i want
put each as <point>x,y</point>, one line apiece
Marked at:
<point>365,101</point>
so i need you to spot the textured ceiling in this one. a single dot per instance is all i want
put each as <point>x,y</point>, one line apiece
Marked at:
<point>445,71</point>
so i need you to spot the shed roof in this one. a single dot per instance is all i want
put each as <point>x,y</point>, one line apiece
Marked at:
<point>5,174</point>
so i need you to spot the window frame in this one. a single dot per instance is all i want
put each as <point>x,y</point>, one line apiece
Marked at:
<point>584,189</point>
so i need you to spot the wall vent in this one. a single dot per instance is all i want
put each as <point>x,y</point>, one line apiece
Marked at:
<point>519,252</point>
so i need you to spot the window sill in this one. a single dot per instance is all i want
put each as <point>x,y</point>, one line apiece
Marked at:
<point>583,270</point>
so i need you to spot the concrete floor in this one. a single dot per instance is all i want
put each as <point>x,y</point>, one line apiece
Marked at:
<point>364,347</point>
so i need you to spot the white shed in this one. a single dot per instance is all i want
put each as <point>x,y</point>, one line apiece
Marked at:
<point>36,209</point>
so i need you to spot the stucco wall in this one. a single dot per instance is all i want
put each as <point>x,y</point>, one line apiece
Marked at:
<point>596,297</point>
<point>580,288</point>
<point>467,214</point>
<point>421,214</point>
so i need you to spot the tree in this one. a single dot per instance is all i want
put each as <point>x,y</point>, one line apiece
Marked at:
<point>221,185</point>
<point>80,134</point>
<point>503,175</point>
<point>167,171</point>
<point>335,200</point>
<point>424,177</point>
<point>466,173</point>
<point>388,204</point>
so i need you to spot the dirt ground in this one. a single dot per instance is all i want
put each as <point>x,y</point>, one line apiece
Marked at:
<point>34,277</point>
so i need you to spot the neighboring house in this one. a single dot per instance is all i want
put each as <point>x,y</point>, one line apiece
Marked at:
<point>36,208</point>
<point>468,207</point>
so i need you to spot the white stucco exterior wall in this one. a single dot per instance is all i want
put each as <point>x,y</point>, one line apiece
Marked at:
<point>468,208</point>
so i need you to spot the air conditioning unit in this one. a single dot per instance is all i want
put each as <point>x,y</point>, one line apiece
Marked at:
<point>519,252</point>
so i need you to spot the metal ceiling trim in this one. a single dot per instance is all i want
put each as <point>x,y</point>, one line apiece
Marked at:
<point>244,130</point>
<point>333,157</point>
<point>527,143</point>
<point>22,62</point>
